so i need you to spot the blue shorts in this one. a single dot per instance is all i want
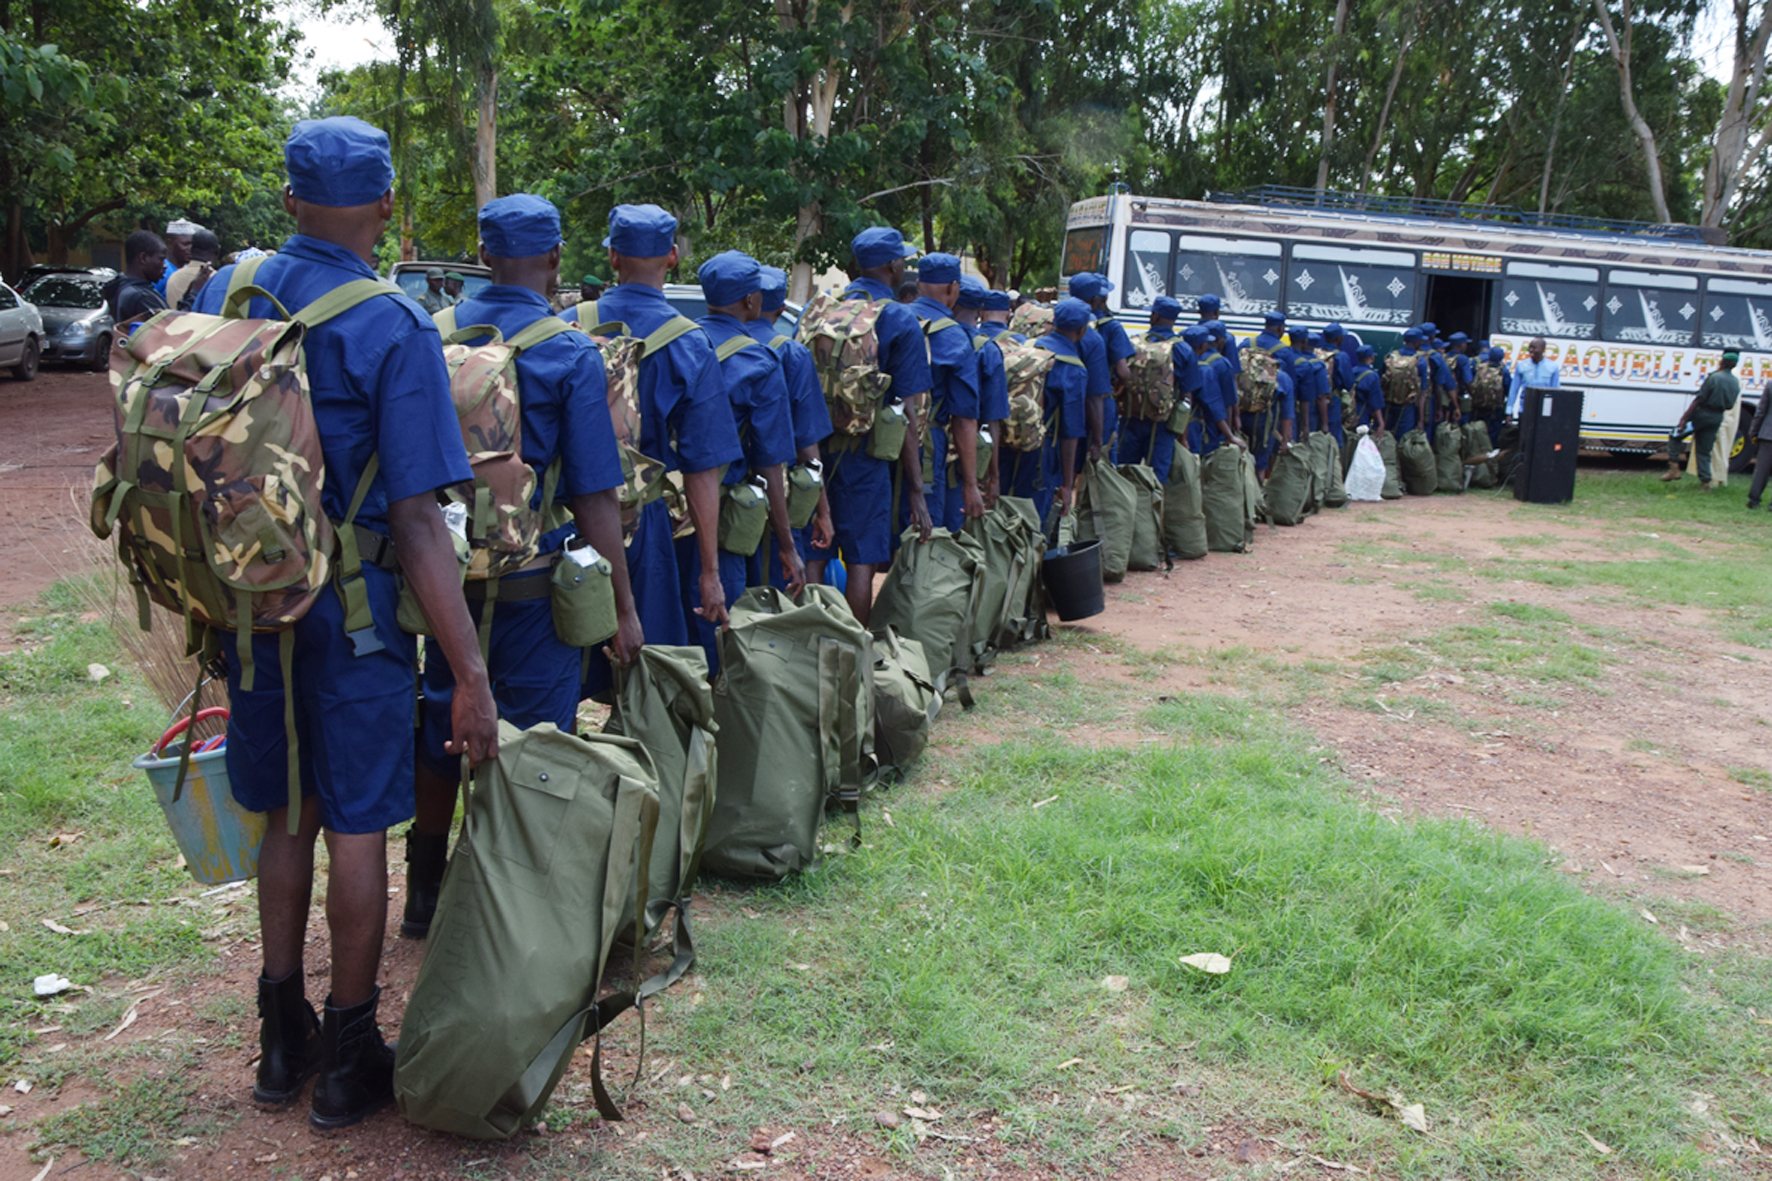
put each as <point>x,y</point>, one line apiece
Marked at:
<point>353,717</point>
<point>1031,475</point>
<point>859,488</point>
<point>1143,441</point>
<point>535,678</point>
<point>658,595</point>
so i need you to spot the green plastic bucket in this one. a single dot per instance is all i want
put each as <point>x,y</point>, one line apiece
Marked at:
<point>219,838</point>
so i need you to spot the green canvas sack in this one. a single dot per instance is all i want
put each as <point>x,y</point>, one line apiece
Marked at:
<point>1477,445</point>
<point>1024,608</point>
<point>1106,505</point>
<point>932,595</point>
<point>664,703</point>
<point>998,532</point>
<point>794,704</point>
<point>1184,516</point>
<point>1393,474</point>
<point>1147,552</point>
<point>1326,462</point>
<point>1449,458</point>
<point>1226,499</point>
<point>557,832</point>
<point>1415,457</point>
<point>1291,486</point>
<point>906,700</point>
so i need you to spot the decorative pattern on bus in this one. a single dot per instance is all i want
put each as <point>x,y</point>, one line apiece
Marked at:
<point>1476,264</point>
<point>1679,370</point>
<point>1354,305</point>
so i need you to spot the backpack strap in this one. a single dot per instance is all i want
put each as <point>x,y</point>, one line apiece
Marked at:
<point>463,335</point>
<point>543,329</point>
<point>931,327</point>
<point>444,318</point>
<point>665,333</point>
<point>732,347</point>
<point>779,339</point>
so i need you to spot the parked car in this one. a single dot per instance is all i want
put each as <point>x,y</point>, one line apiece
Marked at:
<point>77,325</point>
<point>410,276</point>
<point>687,299</point>
<point>21,335</point>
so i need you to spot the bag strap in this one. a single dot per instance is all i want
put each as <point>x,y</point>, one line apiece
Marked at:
<point>455,335</point>
<point>665,333</point>
<point>444,319</point>
<point>779,339</point>
<point>733,346</point>
<point>543,329</point>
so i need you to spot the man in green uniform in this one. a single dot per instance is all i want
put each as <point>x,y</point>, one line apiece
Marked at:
<point>432,299</point>
<point>1716,397</point>
<point>453,283</point>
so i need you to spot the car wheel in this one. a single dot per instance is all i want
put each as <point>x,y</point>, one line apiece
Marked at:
<point>26,369</point>
<point>101,355</point>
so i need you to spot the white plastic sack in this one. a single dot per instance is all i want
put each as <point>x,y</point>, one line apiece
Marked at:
<point>1365,475</point>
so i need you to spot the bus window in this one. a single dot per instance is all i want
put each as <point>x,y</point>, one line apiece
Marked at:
<point>1737,315</point>
<point>1147,268</point>
<point>1352,286</point>
<point>1658,308</point>
<point>1084,250</point>
<point>1541,300</point>
<point>1244,272</point>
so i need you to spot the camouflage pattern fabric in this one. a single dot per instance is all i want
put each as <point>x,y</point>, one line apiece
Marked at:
<point>842,335</point>
<point>1488,389</point>
<point>1026,365</point>
<point>1032,320</point>
<point>1259,380</point>
<point>1401,379</point>
<point>1150,388</point>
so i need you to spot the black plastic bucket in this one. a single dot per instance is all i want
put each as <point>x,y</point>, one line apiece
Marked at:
<point>1073,580</point>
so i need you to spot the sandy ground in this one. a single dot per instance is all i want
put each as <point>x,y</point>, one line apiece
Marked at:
<point>1627,781</point>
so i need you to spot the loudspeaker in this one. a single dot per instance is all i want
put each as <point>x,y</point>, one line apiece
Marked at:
<point>1550,437</point>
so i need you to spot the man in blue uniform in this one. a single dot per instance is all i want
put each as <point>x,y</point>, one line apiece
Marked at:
<point>1152,443</point>
<point>1336,337</point>
<point>953,395</point>
<point>1401,418</point>
<point>1209,307</point>
<point>861,487</point>
<point>1215,412</point>
<point>1368,391</point>
<point>565,418</point>
<point>685,425</point>
<point>1093,349</point>
<point>1338,369</point>
<point>1496,416</point>
<point>993,382</point>
<point>1458,360</point>
<point>1037,476</point>
<point>1442,399</point>
<point>1117,343</point>
<point>810,416</point>
<point>1311,378</point>
<point>380,393</point>
<point>732,283</point>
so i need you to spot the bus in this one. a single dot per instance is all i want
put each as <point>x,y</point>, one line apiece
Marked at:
<point>1636,314</point>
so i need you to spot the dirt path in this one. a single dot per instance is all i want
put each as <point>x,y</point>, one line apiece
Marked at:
<point>52,432</point>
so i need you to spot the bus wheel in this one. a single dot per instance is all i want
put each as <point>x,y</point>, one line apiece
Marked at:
<point>1741,452</point>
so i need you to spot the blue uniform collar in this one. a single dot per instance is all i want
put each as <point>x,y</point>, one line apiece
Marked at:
<point>721,327</point>
<point>512,297</point>
<point>1052,342</point>
<point>1161,333</point>
<point>991,328</point>
<point>930,309</point>
<point>872,288</point>
<point>330,253</point>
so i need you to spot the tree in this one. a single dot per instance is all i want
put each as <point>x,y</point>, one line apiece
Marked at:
<point>1620,50</point>
<point>1737,145</point>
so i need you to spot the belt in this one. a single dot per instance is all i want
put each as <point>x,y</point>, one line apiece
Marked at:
<point>376,549</point>
<point>523,587</point>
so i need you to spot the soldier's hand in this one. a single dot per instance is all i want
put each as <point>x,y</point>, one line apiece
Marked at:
<point>972,504</point>
<point>1239,440</point>
<point>713,598</point>
<point>1065,494</point>
<point>473,717</point>
<point>793,572</point>
<point>625,645</point>
<point>920,518</point>
<point>824,535</point>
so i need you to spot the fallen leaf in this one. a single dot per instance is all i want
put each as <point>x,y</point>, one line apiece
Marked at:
<point>1648,916</point>
<point>1069,1062</point>
<point>1602,1149</point>
<point>1413,1115</point>
<point>57,927</point>
<point>1697,871</point>
<point>1208,961</point>
<point>887,817</point>
<point>266,1159</point>
<point>63,839</point>
<point>780,1140</point>
<point>128,1020</point>
<point>1044,802</point>
<point>922,1113</point>
<point>44,1171</point>
<point>919,1097</point>
<point>748,1165</point>
<point>1116,983</point>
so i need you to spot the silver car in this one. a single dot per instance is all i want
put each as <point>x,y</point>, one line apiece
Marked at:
<point>21,335</point>
<point>77,325</point>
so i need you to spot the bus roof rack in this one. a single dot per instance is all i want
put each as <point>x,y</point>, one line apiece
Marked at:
<point>1371,203</point>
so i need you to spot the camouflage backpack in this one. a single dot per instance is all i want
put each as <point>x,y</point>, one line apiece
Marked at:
<point>1489,388</point>
<point>842,336</point>
<point>1150,388</point>
<point>1401,379</point>
<point>1259,380</point>
<point>1027,365</point>
<point>1330,358</point>
<point>213,486</point>
<point>503,531</point>
<point>1032,320</point>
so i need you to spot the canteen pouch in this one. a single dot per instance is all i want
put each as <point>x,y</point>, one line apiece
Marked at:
<point>886,440</point>
<point>582,594</point>
<point>1180,417</point>
<point>744,516</point>
<point>805,484</point>
<point>410,616</point>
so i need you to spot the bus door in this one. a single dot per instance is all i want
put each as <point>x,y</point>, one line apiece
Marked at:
<point>1460,295</point>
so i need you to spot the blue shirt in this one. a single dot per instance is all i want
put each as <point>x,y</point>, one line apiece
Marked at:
<point>953,364</point>
<point>685,420</point>
<point>1311,376</point>
<point>759,397</point>
<point>1286,396</point>
<point>1232,351</point>
<point>1462,368</point>
<point>1421,365</point>
<point>564,399</point>
<point>1218,388</point>
<point>1527,373</point>
<point>1065,386</point>
<point>993,330</point>
<point>806,406</point>
<point>1113,334</point>
<point>903,356</point>
<point>1368,390</point>
<point>1339,367</point>
<point>1093,350</point>
<point>1442,373</point>
<point>993,381</point>
<point>376,379</point>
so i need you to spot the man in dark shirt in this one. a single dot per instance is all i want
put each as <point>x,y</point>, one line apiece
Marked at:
<point>131,296</point>
<point>1716,397</point>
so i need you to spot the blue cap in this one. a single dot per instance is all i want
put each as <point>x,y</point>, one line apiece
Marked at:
<point>1274,318</point>
<point>879,245</point>
<point>641,231</point>
<point>1086,285</point>
<point>1496,355</point>
<point>1331,329</point>
<point>340,162</point>
<point>972,291</point>
<point>1458,338</point>
<point>996,301</point>
<point>1364,350</point>
<point>519,226</point>
<point>1210,303</point>
<point>1316,340</point>
<point>1429,328</point>
<point>1411,334</point>
<point>1196,334</point>
<point>938,268</point>
<point>1166,308</point>
<point>728,277</point>
<point>1218,330</point>
<point>1071,312</point>
<point>1299,332</point>
<point>775,288</point>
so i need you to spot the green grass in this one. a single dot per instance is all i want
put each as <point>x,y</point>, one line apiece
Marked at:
<point>132,1123</point>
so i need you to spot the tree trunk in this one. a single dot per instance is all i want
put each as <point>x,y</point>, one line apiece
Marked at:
<point>486,141</point>
<point>1730,152</point>
<point>1550,152</point>
<point>1620,50</point>
<point>1329,97</point>
<point>1390,95</point>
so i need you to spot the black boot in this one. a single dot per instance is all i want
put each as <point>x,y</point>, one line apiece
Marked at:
<point>357,1077</point>
<point>426,858</point>
<point>288,1040</point>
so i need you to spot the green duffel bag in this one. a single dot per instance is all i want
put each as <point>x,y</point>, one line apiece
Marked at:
<point>1024,607</point>
<point>905,700</point>
<point>932,594</point>
<point>1327,464</point>
<point>1415,456</point>
<point>1449,458</point>
<point>1348,447</point>
<point>557,834</point>
<point>1184,516</point>
<point>1147,551</point>
<point>1226,501</point>
<point>998,532</point>
<point>1291,485</point>
<point>1393,474</point>
<point>1477,446</point>
<point>664,702</point>
<point>1107,502</point>
<point>794,706</point>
